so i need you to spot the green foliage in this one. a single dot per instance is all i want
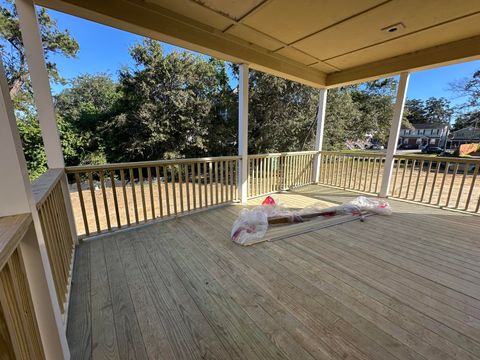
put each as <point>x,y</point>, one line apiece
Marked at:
<point>432,111</point>
<point>55,41</point>
<point>281,113</point>
<point>86,106</point>
<point>170,106</point>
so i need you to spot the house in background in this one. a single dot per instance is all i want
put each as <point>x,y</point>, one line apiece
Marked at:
<point>422,135</point>
<point>466,135</point>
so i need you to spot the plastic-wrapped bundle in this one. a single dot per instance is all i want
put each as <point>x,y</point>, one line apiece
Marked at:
<point>251,225</point>
<point>376,206</point>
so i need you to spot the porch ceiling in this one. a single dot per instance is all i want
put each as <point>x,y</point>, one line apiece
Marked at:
<point>319,43</point>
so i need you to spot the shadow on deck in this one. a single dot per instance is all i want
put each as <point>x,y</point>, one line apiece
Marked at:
<point>399,287</point>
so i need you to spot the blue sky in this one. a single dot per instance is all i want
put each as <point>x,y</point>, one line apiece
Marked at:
<point>105,49</point>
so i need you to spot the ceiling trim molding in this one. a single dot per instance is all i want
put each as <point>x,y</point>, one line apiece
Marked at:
<point>445,54</point>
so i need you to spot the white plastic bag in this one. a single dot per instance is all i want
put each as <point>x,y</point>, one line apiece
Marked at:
<point>250,226</point>
<point>376,206</point>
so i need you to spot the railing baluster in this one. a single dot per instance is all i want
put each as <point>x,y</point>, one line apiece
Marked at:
<point>187,186</point>
<point>447,166</point>
<point>173,182</point>
<point>134,194</point>
<point>104,196</point>
<point>115,198</point>
<point>451,185</point>
<point>418,179</point>
<point>199,184</point>
<point>211,176</point>
<point>437,169</point>
<point>472,185</point>
<point>410,178</point>
<point>94,200</point>
<point>231,180</point>
<point>194,190</point>
<point>460,190</point>
<point>82,203</point>
<point>205,183</point>
<point>377,183</point>
<point>181,188</point>
<point>426,180</point>
<point>159,186</point>
<point>374,165</point>
<point>150,188</point>
<point>222,198</point>
<point>142,193</point>
<point>167,192</point>
<point>125,199</point>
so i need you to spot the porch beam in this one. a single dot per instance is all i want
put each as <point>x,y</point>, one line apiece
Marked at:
<point>394,133</point>
<point>40,83</point>
<point>243,132</point>
<point>17,198</point>
<point>322,107</point>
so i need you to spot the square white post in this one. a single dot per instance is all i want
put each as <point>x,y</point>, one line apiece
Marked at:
<point>40,83</point>
<point>243,132</point>
<point>42,95</point>
<point>17,198</point>
<point>394,132</point>
<point>322,106</point>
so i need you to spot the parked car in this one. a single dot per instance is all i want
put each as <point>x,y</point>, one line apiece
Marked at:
<point>407,147</point>
<point>432,150</point>
<point>375,147</point>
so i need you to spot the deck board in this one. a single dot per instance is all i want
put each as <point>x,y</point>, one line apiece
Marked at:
<point>399,287</point>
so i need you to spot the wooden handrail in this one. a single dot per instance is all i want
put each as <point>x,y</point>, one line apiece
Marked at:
<point>12,231</point>
<point>52,211</point>
<point>18,323</point>
<point>145,164</point>
<point>291,153</point>
<point>438,158</point>
<point>42,187</point>
<point>111,196</point>
<point>354,154</point>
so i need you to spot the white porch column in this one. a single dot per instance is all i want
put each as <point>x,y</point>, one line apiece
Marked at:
<point>40,82</point>
<point>243,132</point>
<point>17,198</point>
<point>43,96</point>
<point>322,106</point>
<point>394,132</point>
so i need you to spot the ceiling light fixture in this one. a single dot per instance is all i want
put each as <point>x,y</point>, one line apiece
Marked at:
<point>394,28</point>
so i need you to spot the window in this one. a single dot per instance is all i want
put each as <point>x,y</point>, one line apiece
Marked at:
<point>432,141</point>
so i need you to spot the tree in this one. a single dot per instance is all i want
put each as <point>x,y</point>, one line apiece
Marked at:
<point>87,105</point>
<point>374,100</point>
<point>470,109</point>
<point>415,111</point>
<point>438,110</point>
<point>431,111</point>
<point>12,51</point>
<point>168,105</point>
<point>55,41</point>
<point>281,114</point>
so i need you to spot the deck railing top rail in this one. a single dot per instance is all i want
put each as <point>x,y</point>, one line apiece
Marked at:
<point>290,153</point>
<point>145,164</point>
<point>370,154</point>
<point>460,159</point>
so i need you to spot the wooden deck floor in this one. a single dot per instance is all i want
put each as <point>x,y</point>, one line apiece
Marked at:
<point>399,287</point>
